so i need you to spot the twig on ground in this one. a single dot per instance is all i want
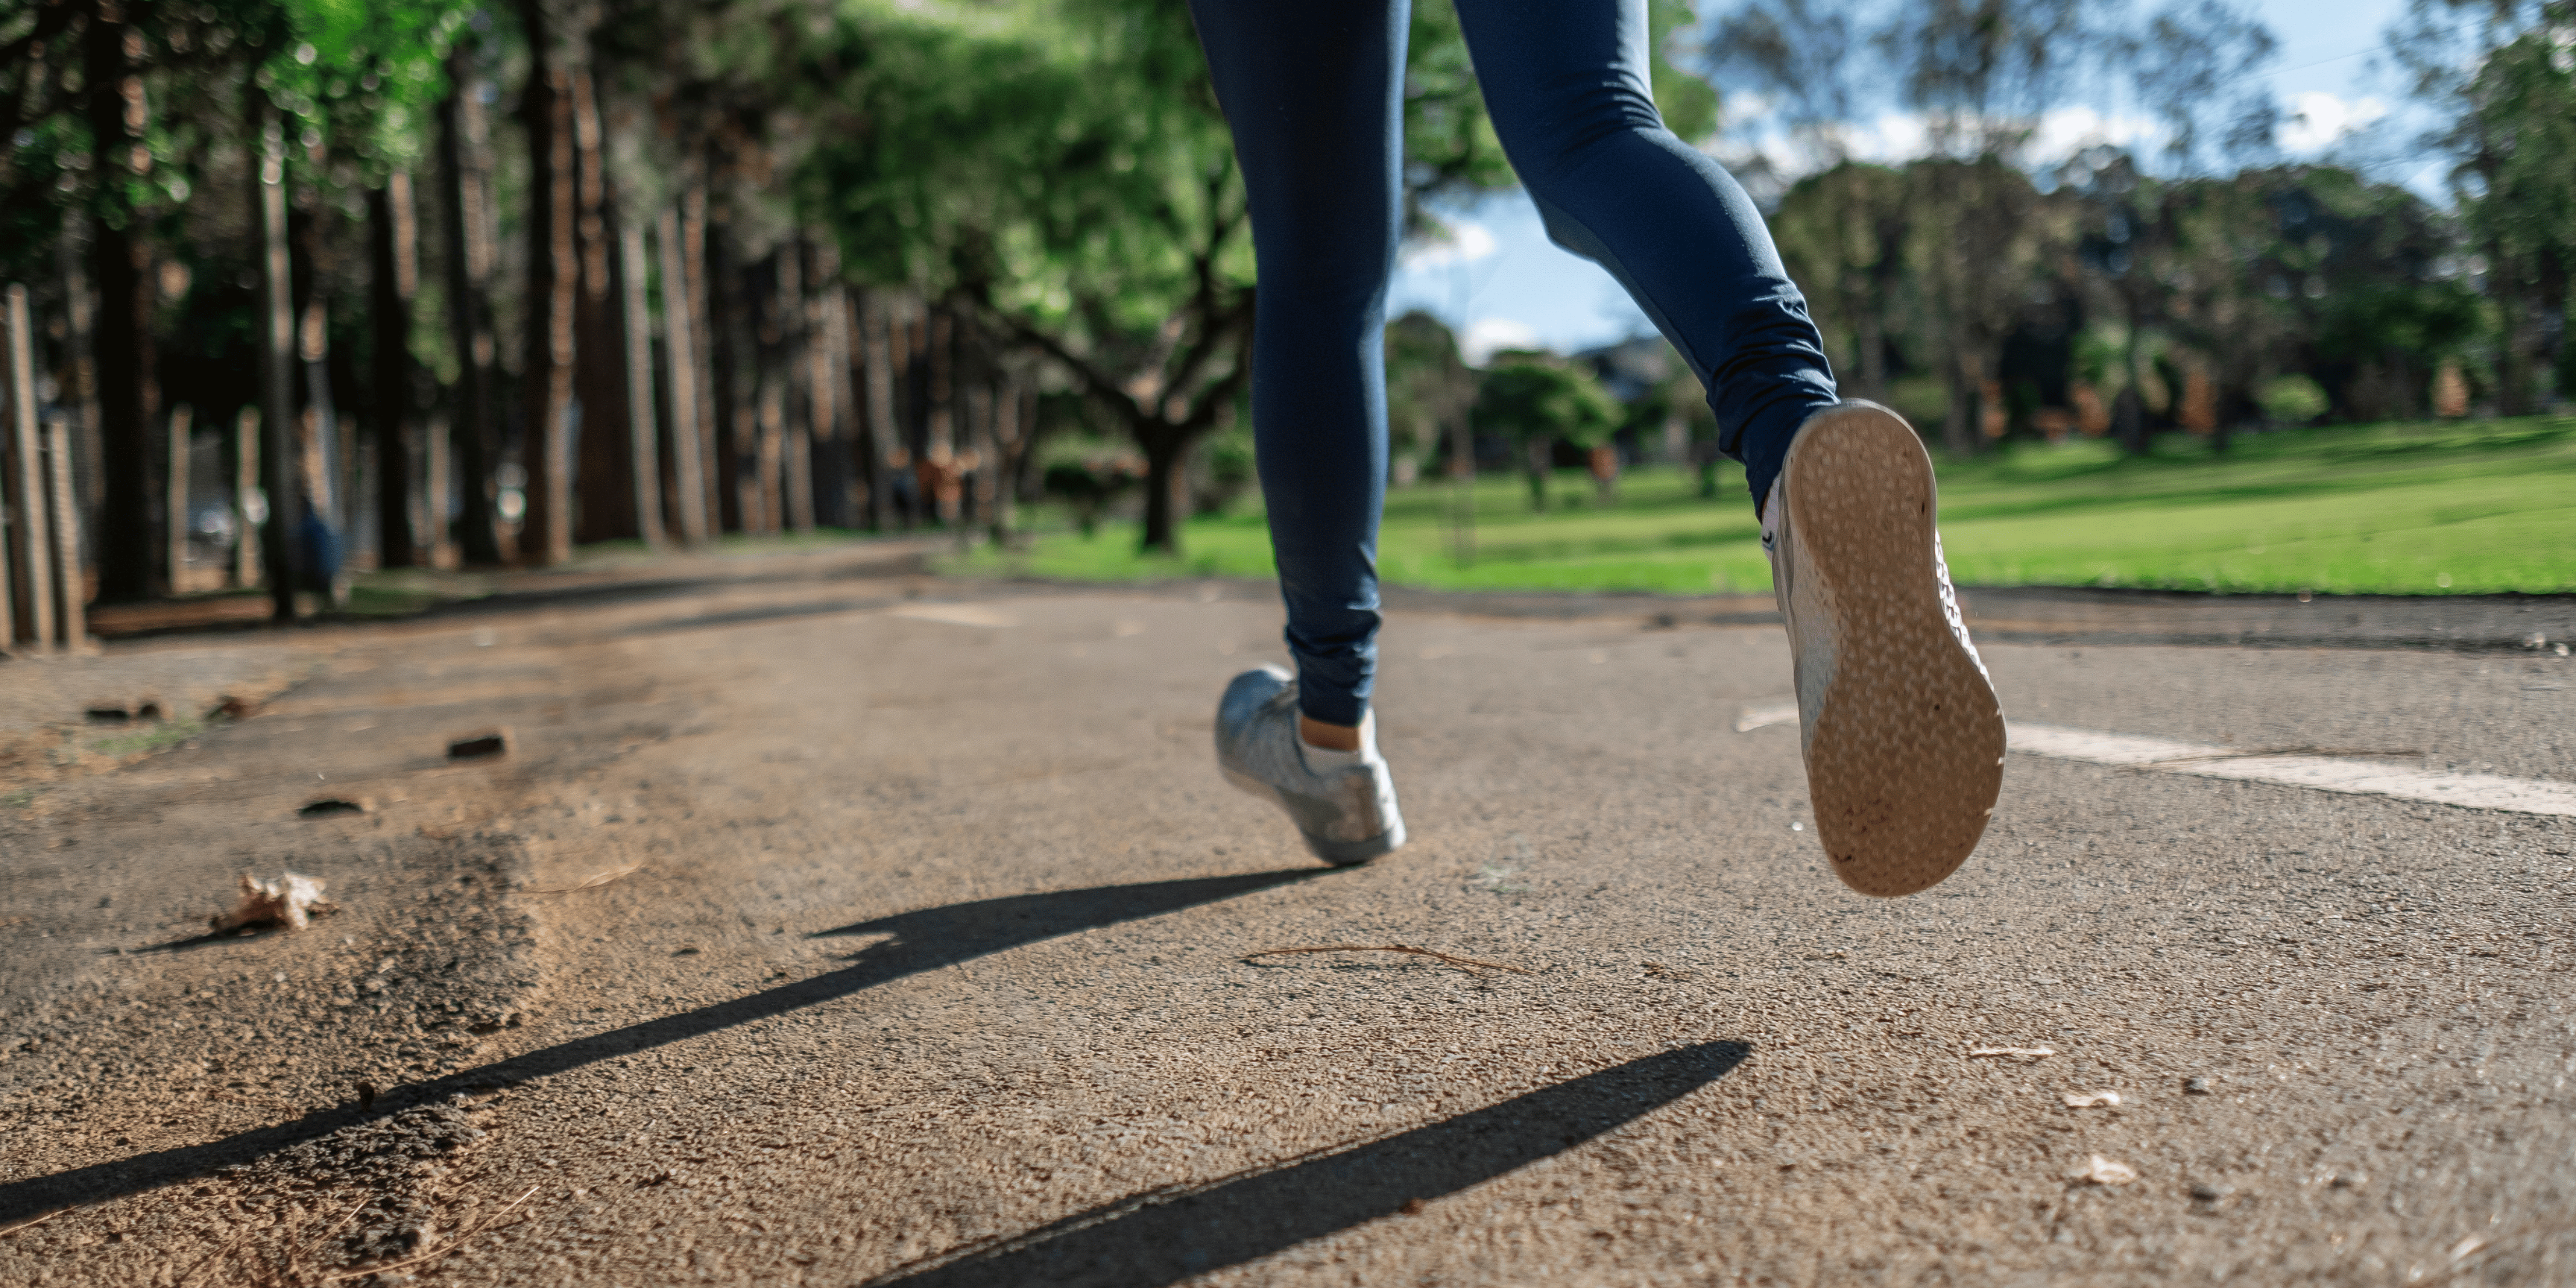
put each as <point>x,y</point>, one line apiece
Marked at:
<point>30,1225</point>
<point>345,1218</point>
<point>434,1253</point>
<point>222,1250</point>
<point>591,882</point>
<point>1390,948</point>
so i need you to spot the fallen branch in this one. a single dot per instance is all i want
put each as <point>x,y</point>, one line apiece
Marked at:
<point>434,1253</point>
<point>1389,948</point>
<point>30,1225</point>
<point>592,882</point>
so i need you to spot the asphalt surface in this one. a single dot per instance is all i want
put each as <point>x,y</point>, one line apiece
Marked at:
<point>919,948</point>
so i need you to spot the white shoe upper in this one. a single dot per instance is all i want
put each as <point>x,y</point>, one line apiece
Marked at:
<point>1347,814</point>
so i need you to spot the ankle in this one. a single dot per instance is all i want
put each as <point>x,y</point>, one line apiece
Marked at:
<point>1327,737</point>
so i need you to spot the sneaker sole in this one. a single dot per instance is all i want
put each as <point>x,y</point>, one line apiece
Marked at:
<point>1906,756</point>
<point>1341,854</point>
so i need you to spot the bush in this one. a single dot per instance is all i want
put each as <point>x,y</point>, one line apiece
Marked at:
<point>2291,400</point>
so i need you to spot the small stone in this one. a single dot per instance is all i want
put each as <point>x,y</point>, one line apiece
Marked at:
<point>491,742</point>
<point>2196,1086</point>
<point>2208,1193</point>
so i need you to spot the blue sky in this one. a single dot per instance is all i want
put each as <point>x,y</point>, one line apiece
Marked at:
<point>1501,282</point>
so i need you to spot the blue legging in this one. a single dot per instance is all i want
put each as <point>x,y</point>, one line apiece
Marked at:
<point>1313,92</point>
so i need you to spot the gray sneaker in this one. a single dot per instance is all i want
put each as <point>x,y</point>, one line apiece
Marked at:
<point>1347,815</point>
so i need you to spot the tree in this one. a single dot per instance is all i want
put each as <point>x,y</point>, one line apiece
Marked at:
<point>1539,400</point>
<point>2498,72</point>
<point>1843,235</point>
<point>1428,391</point>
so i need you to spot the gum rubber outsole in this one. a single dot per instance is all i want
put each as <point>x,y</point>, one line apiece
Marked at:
<point>1905,758</point>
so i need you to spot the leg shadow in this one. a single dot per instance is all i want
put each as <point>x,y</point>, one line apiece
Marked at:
<point>1169,1235</point>
<point>924,940</point>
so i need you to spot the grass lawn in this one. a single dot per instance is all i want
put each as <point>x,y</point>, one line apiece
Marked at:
<point>2449,507</point>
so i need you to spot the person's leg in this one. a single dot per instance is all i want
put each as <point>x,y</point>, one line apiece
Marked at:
<point>1567,84</point>
<point>1902,738</point>
<point>1313,93</point>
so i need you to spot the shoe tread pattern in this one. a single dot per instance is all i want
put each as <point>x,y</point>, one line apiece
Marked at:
<point>1906,758</point>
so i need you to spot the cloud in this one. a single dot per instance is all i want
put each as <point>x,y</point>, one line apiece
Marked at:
<point>1459,243</point>
<point>1894,137</point>
<point>1485,337</point>
<point>2319,119</point>
<point>2067,130</point>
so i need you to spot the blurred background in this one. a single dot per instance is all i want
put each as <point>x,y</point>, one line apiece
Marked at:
<point>330,306</point>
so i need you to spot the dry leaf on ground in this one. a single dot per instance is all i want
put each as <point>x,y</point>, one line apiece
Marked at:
<point>292,900</point>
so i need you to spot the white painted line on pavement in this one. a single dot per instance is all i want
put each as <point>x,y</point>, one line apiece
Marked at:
<point>2323,773</point>
<point>955,615</point>
<point>1767,713</point>
<point>2349,774</point>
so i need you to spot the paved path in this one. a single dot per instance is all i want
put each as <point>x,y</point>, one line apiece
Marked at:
<point>921,952</point>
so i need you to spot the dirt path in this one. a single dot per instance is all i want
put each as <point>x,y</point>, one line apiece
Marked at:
<point>921,951</point>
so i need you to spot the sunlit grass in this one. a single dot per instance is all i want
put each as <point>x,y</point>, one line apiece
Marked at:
<point>160,736</point>
<point>2454,507</point>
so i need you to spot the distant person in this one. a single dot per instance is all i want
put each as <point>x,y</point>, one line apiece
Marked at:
<point>1903,739</point>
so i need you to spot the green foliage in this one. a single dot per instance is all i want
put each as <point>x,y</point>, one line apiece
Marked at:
<point>1428,386</point>
<point>161,736</point>
<point>2292,400</point>
<point>363,74</point>
<point>1528,396</point>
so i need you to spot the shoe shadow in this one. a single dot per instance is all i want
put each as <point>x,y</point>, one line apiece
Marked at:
<point>924,940</point>
<point>1165,1236</point>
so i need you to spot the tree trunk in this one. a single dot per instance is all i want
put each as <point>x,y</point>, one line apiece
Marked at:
<point>2128,413</point>
<point>122,345</point>
<point>643,460</point>
<point>827,399</point>
<point>2513,365</point>
<point>941,448</point>
<point>1167,457</point>
<point>698,269</point>
<point>554,281</point>
<point>1959,424</point>
<point>1538,460</point>
<point>1871,335</point>
<point>395,269</point>
<point>276,360</point>
<point>30,565</point>
<point>797,448</point>
<point>1010,447</point>
<point>174,484</point>
<point>464,196</point>
<point>122,357</point>
<point>884,435</point>
<point>688,449</point>
<point>732,425</point>
<point>606,477</point>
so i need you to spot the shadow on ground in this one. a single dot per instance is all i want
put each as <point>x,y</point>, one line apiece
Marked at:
<point>924,940</point>
<point>1165,1236</point>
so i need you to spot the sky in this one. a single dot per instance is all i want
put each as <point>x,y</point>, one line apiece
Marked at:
<point>1500,283</point>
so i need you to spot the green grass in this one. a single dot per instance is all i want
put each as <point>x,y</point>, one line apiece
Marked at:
<point>161,736</point>
<point>2443,508</point>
